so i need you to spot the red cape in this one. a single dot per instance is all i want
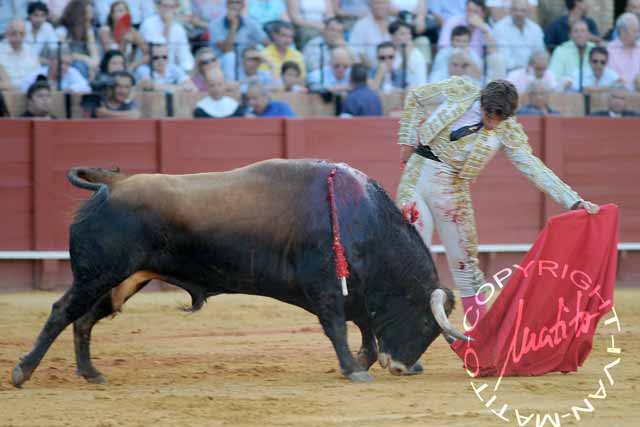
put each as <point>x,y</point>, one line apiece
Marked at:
<point>544,319</point>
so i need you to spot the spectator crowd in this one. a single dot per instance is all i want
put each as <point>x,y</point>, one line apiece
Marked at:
<point>239,53</point>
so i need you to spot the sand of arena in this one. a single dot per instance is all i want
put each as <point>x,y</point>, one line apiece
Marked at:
<point>248,361</point>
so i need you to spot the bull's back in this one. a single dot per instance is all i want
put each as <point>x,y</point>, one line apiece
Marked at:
<point>266,197</point>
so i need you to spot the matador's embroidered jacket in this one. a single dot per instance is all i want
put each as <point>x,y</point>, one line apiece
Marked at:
<point>470,154</point>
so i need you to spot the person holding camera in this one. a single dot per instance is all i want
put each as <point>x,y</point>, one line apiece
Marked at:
<point>118,103</point>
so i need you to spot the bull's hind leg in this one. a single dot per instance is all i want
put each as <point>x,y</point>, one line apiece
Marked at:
<point>82,339</point>
<point>368,353</point>
<point>72,305</point>
<point>108,304</point>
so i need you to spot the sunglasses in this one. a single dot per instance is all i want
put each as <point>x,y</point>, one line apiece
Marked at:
<point>158,57</point>
<point>207,61</point>
<point>384,58</point>
<point>598,61</point>
<point>340,66</point>
<point>252,58</point>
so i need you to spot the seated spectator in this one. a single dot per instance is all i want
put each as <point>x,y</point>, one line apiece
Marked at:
<point>335,77</point>
<point>205,60</point>
<point>77,31</point>
<point>197,15</point>
<point>617,104</point>
<point>39,101</point>
<point>16,57</point>
<point>162,75</point>
<point>460,64</point>
<point>233,33</point>
<point>265,11</point>
<point>624,53</point>
<point>408,59</point>
<point>559,31</point>
<point>317,50</point>
<point>349,12</point>
<point>39,32</point>
<point>570,55</point>
<point>475,19</point>
<point>385,78</point>
<point>60,75</point>
<point>126,38</point>
<point>460,39</point>
<point>250,71</point>
<point>308,16</point>
<point>596,76</point>
<point>517,36</point>
<point>291,77</point>
<point>633,6</point>
<point>10,10</point>
<point>5,81</point>
<point>370,31</point>
<point>280,51</point>
<point>112,61</point>
<point>4,111</point>
<point>417,12</point>
<point>445,9</point>
<point>118,103</point>
<point>139,10</point>
<point>538,105</point>
<point>216,105</point>
<point>164,28</point>
<point>499,9</point>
<point>361,100</point>
<point>538,69</point>
<point>261,105</point>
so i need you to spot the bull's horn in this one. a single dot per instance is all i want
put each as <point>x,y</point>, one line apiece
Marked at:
<point>438,300</point>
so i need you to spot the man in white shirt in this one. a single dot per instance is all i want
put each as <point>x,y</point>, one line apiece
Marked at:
<point>65,77</point>
<point>154,30</point>
<point>370,31</point>
<point>17,58</point>
<point>517,36</point>
<point>538,69</point>
<point>39,31</point>
<point>500,8</point>
<point>596,76</point>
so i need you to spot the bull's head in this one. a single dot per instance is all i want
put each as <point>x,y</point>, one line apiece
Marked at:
<point>403,337</point>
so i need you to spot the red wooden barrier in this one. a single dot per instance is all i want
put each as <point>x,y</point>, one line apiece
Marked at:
<point>368,144</point>
<point>60,145</point>
<point>597,156</point>
<point>16,185</point>
<point>16,193</point>
<point>203,145</point>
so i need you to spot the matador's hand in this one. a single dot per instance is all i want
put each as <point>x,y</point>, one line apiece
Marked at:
<point>592,208</point>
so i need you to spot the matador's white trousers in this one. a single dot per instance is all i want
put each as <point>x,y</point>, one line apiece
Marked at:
<point>444,203</point>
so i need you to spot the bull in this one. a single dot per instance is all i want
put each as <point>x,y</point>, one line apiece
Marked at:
<point>264,229</point>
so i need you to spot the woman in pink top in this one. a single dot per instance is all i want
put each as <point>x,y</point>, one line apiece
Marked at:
<point>475,18</point>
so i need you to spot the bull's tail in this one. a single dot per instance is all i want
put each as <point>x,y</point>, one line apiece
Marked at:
<point>93,178</point>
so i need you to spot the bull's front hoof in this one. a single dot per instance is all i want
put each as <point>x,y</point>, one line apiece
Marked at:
<point>18,377</point>
<point>98,379</point>
<point>360,377</point>
<point>416,369</point>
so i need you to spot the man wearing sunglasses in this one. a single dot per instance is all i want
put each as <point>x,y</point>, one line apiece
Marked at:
<point>445,151</point>
<point>596,76</point>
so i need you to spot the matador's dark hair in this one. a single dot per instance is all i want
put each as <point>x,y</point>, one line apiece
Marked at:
<point>499,97</point>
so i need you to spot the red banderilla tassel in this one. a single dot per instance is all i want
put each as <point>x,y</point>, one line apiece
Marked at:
<point>342,268</point>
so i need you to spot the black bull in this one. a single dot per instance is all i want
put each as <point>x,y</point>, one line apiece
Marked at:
<point>264,229</point>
